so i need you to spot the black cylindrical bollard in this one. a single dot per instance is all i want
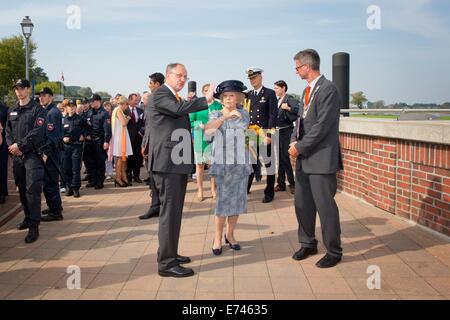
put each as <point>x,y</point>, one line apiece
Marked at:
<point>341,77</point>
<point>192,86</point>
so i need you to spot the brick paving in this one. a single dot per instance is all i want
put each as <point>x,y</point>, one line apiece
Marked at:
<point>116,253</point>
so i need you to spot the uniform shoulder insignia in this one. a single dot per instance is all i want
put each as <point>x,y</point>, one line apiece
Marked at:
<point>40,121</point>
<point>50,127</point>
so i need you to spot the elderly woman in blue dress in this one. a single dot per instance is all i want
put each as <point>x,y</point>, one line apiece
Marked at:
<point>231,164</point>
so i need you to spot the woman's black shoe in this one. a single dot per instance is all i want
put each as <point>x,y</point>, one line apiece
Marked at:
<point>217,252</point>
<point>122,185</point>
<point>232,246</point>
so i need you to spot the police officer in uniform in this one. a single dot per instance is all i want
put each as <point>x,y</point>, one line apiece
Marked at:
<point>263,110</point>
<point>101,136</point>
<point>52,152</point>
<point>3,155</point>
<point>75,129</point>
<point>25,130</point>
<point>87,149</point>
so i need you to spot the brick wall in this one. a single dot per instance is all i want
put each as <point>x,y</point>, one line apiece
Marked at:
<point>406,178</point>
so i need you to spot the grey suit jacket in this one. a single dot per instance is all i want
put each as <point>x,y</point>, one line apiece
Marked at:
<point>318,139</point>
<point>146,138</point>
<point>166,115</point>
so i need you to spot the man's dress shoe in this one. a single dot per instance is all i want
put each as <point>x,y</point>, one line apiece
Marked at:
<point>177,272</point>
<point>328,261</point>
<point>183,260</point>
<point>304,253</point>
<point>150,214</point>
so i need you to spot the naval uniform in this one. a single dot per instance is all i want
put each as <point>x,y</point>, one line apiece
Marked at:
<point>263,113</point>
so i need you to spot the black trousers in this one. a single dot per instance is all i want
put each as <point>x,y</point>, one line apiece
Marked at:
<point>29,176</point>
<point>156,202</point>
<point>134,162</point>
<point>72,165</point>
<point>88,157</point>
<point>315,193</point>
<point>98,164</point>
<point>284,165</point>
<point>172,191</point>
<point>270,186</point>
<point>3,169</point>
<point>51,182</point>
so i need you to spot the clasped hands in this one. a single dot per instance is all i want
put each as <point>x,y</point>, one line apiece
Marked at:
<point>293,152</point>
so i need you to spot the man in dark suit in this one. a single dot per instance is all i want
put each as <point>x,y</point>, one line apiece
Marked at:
<point>287,115</point>
<point>3,154</point>
<point>156,81</point>
<point>170,161</point>
<point>315,144</point>
<point>263,114</point>
<point>134,127</point>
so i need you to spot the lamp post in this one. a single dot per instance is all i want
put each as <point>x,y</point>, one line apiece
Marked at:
<point>27,29</point>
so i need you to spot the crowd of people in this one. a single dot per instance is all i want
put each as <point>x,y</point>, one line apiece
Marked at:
<point>49,143</point>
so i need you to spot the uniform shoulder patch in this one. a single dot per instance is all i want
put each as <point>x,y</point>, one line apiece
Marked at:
<point>50,127</point>
<point>40,121</point>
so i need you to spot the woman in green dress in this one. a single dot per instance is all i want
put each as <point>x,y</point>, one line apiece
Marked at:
<point>202,147</point>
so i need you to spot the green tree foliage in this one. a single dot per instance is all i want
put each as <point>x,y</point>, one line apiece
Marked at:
<point>105,95</point>
<point>85,92</point>
<point>358,99</point>
<point>55,86</point>
<point>12,61</point>
<point>39,75</point>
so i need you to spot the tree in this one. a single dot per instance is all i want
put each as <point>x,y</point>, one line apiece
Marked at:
<point>55,86</point>
<point>12,61</point>
<point>105,95</point>
<point>358,99</point>
<point>376,105</point>
<point>85,92</point>
<point>39,75</point>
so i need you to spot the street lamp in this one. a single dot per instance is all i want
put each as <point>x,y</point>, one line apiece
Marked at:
<point>27,29</point>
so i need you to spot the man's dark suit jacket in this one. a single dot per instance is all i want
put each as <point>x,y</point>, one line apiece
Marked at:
<point>318,142</point>
<point>166,115</point>
<point>287,118</point>
<point>135,126</point>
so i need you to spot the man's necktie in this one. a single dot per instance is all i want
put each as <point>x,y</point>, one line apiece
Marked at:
<point>305,106</point>
<point>133,117</point>
<point>177,96</point>
<point>307,93</point>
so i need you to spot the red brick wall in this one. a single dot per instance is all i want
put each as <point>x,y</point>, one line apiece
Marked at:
<point>406,178</point>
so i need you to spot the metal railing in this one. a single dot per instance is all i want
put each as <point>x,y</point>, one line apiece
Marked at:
<point>396,111</point>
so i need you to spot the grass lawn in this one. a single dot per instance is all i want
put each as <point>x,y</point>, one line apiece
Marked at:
<point>379,116</point>
<point>383,116</point>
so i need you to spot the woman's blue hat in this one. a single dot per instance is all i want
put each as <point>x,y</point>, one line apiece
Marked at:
<point>230,86</point>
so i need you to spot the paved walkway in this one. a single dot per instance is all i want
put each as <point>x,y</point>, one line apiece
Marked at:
<point>117,254</point>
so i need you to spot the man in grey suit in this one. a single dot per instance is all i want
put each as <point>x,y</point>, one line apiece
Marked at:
<point>170,161</point>
<point>156,81</point>
<point>315,145</point>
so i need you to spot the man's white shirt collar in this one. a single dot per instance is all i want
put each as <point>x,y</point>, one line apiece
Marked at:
<point>257,91</point>
<point>314,82</point>
<point>173,91</point>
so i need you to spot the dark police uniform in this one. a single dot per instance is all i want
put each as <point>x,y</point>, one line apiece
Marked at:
<point>3,155</point>
<point>53,150</point>
<point>74,127</point>
<point>263,113</point>
<point>26,127</point>
<point>88,150</point>
<point>285,126</point>
<point>101,133</point>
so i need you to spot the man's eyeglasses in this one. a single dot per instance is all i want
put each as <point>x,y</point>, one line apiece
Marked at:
<point>299,67</point>
<point>180,75</point>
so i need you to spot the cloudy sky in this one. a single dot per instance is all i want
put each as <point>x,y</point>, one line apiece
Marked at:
<point>119,43</point>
